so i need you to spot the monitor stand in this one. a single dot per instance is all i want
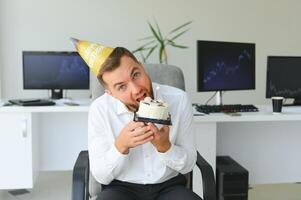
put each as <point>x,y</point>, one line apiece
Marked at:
<point>219,98</point>
<point>56,93</point>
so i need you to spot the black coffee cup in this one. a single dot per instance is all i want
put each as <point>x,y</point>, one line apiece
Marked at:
<point>277,104</point>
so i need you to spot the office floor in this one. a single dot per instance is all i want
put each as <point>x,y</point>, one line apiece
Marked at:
<point>57,186</point>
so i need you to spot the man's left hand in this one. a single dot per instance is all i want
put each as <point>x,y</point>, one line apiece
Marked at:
<point>161,137</point>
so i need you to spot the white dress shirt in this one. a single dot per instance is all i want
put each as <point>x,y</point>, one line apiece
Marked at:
<point>143,164</point>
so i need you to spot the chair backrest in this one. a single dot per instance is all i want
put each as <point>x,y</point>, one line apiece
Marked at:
<point>159,73</point>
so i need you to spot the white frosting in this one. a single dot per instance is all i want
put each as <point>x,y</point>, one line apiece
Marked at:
<point>153,109</point>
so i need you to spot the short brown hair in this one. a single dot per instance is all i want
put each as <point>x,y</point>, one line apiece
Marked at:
<point>113,62</point>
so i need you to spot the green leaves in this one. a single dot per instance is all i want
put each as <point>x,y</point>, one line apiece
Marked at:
<point>156,40</point>
<point>180,27</point>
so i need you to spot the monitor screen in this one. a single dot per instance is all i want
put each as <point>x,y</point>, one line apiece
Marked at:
<point>54,70</point>
<point>283,77</point>
<point>225,66</point>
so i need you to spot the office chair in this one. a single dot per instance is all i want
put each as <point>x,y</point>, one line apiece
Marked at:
<point>85,187</point>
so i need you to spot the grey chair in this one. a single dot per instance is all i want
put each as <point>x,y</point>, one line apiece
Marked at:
<point>85,187</point>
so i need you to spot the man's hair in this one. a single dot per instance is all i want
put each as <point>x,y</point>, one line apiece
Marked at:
<point>113,62</point>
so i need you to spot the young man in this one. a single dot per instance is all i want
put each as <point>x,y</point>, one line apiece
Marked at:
<point>133,160</point>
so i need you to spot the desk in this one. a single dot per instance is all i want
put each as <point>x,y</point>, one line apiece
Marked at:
<point>266,144</point>
<point>39,138</point>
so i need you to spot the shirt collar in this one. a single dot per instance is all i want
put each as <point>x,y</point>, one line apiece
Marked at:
<point>121,108</point>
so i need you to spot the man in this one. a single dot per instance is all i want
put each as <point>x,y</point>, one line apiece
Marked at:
<point>133,160</point>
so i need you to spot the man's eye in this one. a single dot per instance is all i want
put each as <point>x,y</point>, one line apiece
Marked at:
<point>136,74</point>
<point>122,88</point>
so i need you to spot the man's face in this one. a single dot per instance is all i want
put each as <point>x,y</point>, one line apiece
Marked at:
<point>129,83</point>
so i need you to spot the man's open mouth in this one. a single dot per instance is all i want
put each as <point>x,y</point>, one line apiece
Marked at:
<point>141,98</point>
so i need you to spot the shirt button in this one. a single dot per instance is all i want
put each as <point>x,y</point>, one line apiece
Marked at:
<point>146,156</point>
<point>148,175</point>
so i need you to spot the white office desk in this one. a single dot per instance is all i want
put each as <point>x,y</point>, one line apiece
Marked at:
<point>265,114</point>
<point>45,109</point>
<point>59,107</point>
<point>267,145</point>
<point>38,138</point>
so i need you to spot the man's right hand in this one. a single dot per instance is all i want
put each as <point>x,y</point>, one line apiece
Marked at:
<point>132,135</point>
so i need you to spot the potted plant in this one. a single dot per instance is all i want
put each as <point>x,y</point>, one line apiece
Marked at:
<point>160,42</point>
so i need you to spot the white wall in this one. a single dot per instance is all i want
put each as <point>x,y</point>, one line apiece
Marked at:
<point>47,25</point>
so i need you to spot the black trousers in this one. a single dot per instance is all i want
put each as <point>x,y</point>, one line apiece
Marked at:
<point>172,189</point>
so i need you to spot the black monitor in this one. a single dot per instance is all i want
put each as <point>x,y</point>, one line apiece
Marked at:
<point>223,66</point>
<point>54,71</point>
<point>283,77</point>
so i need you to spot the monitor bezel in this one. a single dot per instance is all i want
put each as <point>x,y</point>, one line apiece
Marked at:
<point>198,77</point>
<point>267,92</point>
<point>69,53</point>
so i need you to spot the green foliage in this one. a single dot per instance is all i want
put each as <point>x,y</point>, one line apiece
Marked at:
<point>157,41</point>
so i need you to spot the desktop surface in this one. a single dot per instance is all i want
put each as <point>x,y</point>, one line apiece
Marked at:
<point>82,105</point>
<point>264,114</point>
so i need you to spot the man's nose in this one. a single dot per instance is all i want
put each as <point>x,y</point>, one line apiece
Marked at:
<point>135,88</point>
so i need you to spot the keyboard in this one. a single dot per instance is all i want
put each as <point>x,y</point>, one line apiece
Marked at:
<point>32,102</point>
<point>230,108</point>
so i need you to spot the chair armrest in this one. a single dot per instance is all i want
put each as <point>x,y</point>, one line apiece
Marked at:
<point>209,187</point>
<point>80,179</point>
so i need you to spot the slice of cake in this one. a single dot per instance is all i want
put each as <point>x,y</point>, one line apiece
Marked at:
<point>155,111</point>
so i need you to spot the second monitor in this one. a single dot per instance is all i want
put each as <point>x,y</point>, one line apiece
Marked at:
<point>223,66</point>
<point>283,77</point>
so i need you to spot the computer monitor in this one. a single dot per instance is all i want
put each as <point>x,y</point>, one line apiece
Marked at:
<point>283,77</point>
<point>224,66</point>
<point>54,71</point>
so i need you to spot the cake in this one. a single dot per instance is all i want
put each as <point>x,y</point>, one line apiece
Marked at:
<point>153,110</point>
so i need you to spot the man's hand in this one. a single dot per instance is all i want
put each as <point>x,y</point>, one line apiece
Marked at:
<point>132,135</point>
<point>160,137</point>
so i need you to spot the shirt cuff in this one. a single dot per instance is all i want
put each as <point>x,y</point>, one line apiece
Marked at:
<point>169,155</point>
<point>174,157</point>
<point>116,156</point>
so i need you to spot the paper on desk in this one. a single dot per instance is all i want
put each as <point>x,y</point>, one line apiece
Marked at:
<point>61,102</point>
<point>291,109</point>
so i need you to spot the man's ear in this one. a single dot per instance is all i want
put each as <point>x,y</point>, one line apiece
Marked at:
<point>140,63</point>
<point>108,92</point>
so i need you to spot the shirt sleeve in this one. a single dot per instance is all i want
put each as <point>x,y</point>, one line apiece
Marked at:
<point>106,162</point>
<point>182,154</point>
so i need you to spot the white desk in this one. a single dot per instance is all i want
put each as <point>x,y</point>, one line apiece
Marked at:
<point>39,138</point>
<point>267,145</point>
